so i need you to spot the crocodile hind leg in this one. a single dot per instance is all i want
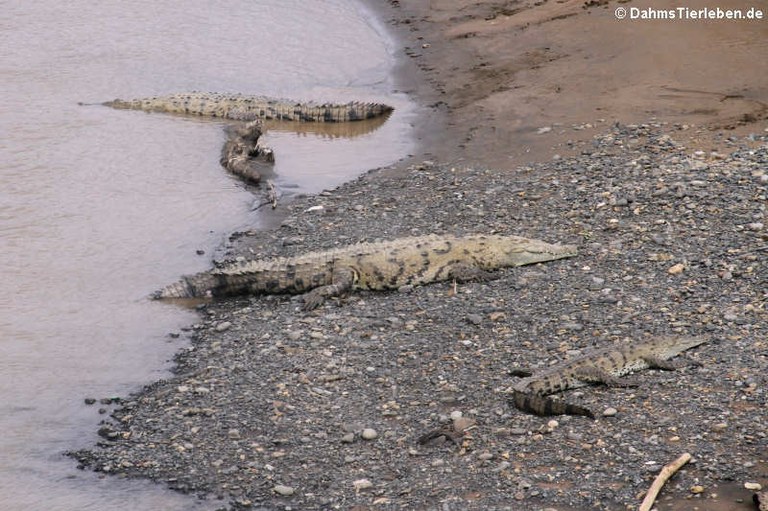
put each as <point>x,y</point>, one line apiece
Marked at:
<point>343,279</point>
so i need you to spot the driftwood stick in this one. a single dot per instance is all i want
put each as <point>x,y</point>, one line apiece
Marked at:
<point>666,472</point>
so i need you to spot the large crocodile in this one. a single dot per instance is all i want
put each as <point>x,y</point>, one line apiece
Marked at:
<point>531,394</point>
<point>240,107</point>
<point>384,265</point>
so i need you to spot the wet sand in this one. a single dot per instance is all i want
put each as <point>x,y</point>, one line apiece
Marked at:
<point>495,73</point>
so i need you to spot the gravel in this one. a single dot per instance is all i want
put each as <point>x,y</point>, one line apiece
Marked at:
<point>273,408</point>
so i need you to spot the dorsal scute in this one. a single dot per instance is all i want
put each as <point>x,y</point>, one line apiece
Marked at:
<point>334,254</point>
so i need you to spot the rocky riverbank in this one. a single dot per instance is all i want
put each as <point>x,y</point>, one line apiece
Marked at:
<point>272,408</point>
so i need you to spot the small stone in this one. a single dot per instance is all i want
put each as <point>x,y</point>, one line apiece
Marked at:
<point>610,412</point>
<point>719,427</point>
<point>223,326</point>
<point>753,486</point>
<point>544,129</point>
<point>90,400</point>
<point>348,438</point>
<point>697,489</point>
<point>362,484</point>
<point>369,434</point>
<point>234,434</point>
<point>497,316</point>
<point>285,491</point>
<point>475,319</point>
<point>504,465</point>
<point>553,424</point>
<point>461,424</point>
<point>676,269</point>
<point>756,226</point>
<point>485,456</point>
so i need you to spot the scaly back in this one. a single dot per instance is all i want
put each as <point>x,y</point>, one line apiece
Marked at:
<point>248,108</point>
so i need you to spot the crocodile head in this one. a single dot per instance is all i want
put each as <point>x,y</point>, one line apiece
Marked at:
<point>522,251</point>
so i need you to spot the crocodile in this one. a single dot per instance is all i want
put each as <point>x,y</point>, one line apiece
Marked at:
<point>242,154</point>
<point>531,394</point>
<point>374,266</point>
<point>241,107</point>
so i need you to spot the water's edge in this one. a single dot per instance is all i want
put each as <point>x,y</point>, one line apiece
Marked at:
<point>78,322</point>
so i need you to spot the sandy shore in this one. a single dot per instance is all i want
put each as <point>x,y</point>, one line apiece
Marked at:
<point>497,72</point>
<point>273,408</point>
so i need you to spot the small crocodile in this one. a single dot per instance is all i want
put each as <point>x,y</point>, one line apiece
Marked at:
<point>242,154</point>
<point>240,107</point>
<point>384,265</point>
<point>601,366</point>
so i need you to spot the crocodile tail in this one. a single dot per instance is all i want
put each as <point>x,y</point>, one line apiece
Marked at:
<point>123,104</point>
<point>545,405</point>
<point>194,286</point>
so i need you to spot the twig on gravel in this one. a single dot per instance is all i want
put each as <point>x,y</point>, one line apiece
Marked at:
<point>666,472</point>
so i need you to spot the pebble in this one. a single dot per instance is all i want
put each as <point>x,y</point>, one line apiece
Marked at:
<point>285,491</point>
<point>475,319</point>
<point>676,269</point>
<point>234,434</point>
<point>369,434</point>
<point>362,484</point>
<point>504,465</point>
<point>610,412</point>
<point>753,486</point>
<point>223,326</point>
<point>697,489</point>
<point>348,438</point>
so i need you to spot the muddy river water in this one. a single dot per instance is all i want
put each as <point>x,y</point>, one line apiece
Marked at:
<point>100,207</point>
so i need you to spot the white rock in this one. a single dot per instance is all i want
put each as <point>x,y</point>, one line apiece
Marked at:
<point>284,490</point>
<point>362,484</point>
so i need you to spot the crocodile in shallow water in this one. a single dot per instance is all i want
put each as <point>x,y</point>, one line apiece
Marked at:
<point>601,366</point>
<point>240,107</point>
<point>242,154</point>
<point>384,265</point>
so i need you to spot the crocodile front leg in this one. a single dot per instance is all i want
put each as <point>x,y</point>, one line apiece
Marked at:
<point>466,272</point>
<point>343,279</point>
